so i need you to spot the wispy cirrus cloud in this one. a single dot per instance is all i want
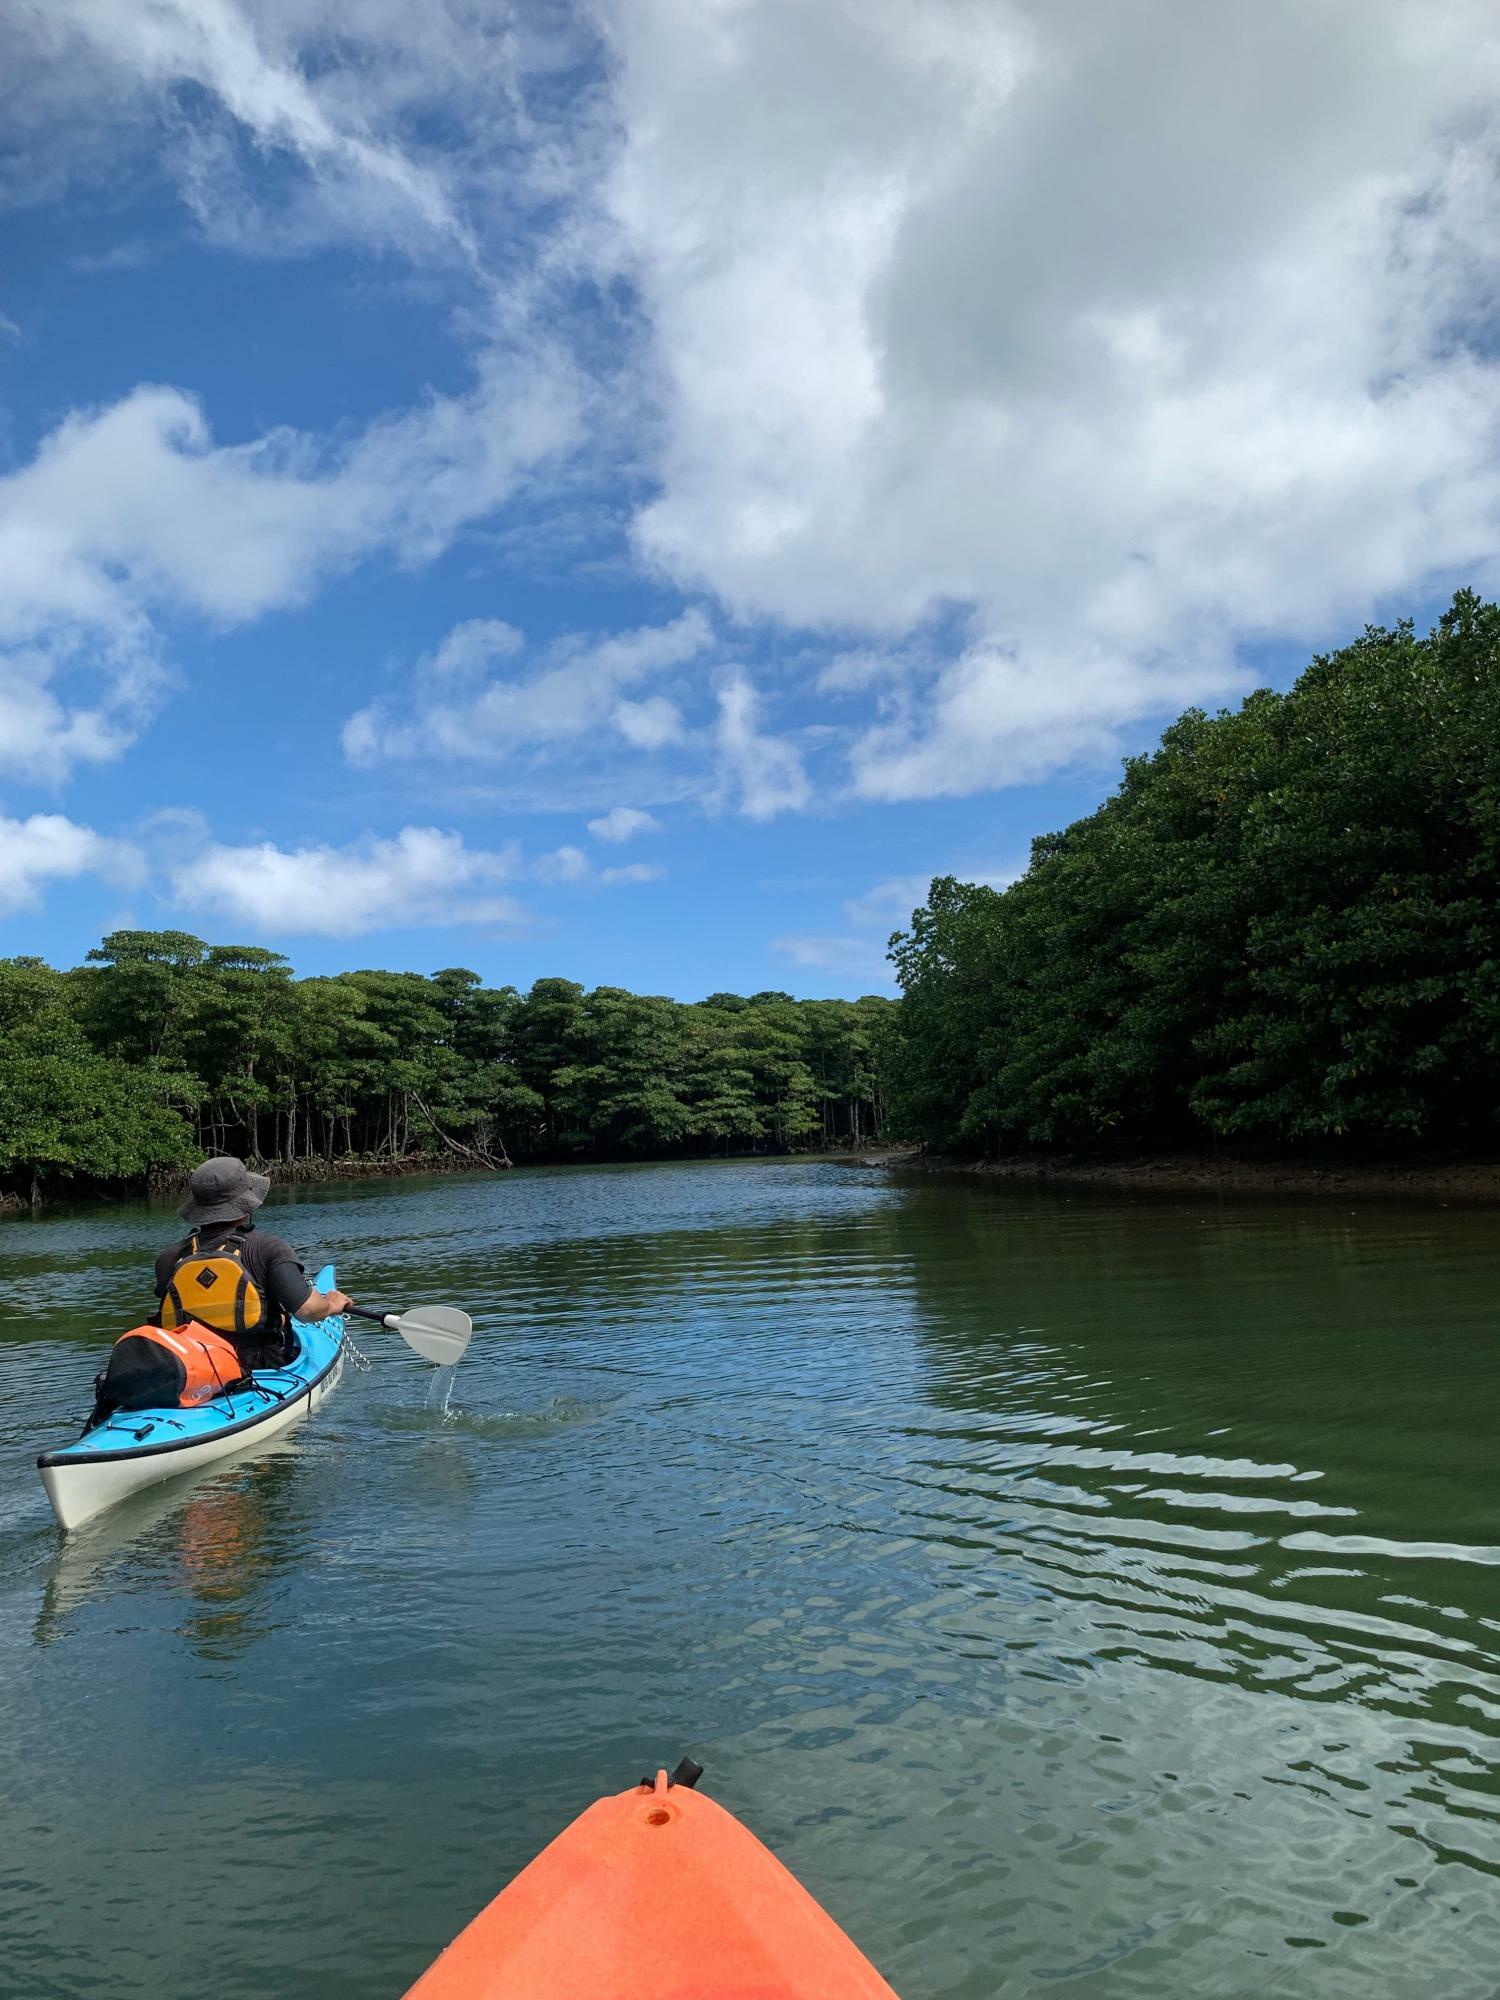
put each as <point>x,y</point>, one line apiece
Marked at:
<point>632,871</point>
<point>96,79</point>
<point>843,958</point>
<point>764,773</point>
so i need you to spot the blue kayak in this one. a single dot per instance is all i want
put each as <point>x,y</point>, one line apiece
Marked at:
<point>134,1449</point>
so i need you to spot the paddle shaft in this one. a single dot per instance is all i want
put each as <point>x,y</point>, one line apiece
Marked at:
<point>364,1312</point>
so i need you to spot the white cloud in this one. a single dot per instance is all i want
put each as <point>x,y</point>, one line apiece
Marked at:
<point>650,724</point>
<point>470,647</point>
<point>421,877</point>
<point>564,864</point>
<point>133,509</point>
<point>258,69</point>
<point>1041,354</point>
<point>633,871</point>
<point>48,848</point>
<point>311,122</point>
<point>577,686</point>
<point>623,823</point>
<point>1124,336</point>
<point>766,771</point>
<point>571,864</point>
<point>126,256</point>
<point>891,902</point>
<point>846,958</point>
<point>446,134</point>
<point>884,907</point>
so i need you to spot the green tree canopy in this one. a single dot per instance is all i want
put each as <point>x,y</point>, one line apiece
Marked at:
<point>1284,927</point>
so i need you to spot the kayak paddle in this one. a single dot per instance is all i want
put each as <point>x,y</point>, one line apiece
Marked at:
<point>438,1333</point>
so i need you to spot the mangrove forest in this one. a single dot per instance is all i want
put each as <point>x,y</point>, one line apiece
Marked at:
<point>1282,931</point>
<point>162,1047</point>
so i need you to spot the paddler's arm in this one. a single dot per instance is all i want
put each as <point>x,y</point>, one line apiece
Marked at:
<point>322,1305</point>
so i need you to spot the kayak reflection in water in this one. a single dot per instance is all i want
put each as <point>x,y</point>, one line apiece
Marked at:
<point>227,1275</point>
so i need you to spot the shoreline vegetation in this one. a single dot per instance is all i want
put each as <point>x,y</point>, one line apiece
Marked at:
<point>1271,958</point>
<point>119,1075</point>
<point>1277,941</point>
<point>1450,1179</point>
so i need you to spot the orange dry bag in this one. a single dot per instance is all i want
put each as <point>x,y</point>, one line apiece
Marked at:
<point>167,1368</point>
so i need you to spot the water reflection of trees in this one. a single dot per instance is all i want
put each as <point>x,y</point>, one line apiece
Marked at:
<point>1229,1444</point>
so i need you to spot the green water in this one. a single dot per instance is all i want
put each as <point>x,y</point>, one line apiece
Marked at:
<point>1091,1595</point>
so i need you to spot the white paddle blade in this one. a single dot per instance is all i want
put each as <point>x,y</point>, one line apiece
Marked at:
<point>438,1333</point>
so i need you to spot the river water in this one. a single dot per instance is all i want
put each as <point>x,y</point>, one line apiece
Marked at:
<point>1086,1595</point>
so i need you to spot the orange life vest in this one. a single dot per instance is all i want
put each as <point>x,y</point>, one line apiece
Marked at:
<point>213,1289</point>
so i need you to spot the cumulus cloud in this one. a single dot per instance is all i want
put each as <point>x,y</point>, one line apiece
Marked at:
<point>563,864</point>
<point>571,864</point>
<point>1124,335</point>
<point>423,876</point>
<point>576,686</point>
<point>624,823</point>
<point>49,848</point>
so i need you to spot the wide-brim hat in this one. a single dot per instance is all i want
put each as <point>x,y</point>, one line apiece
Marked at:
<point>222,1190</point>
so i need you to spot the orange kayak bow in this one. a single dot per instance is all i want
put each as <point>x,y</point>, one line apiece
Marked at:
<point>656,1890</point>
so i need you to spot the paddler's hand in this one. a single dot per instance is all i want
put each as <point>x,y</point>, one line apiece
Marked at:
<point>336,1303</point>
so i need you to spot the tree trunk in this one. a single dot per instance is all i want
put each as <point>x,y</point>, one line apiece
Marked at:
<point>482,1158</point>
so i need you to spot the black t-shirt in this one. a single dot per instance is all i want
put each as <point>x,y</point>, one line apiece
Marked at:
<point>271,1263</point>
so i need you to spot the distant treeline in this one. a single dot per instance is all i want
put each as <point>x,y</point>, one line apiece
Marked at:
<point>1283,931</point>
<point>163,1047</point>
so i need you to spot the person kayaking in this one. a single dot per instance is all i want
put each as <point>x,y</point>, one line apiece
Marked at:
<point>227,1275</point>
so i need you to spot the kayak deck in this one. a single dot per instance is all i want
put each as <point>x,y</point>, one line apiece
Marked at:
<point>655,1891</point>
<point>133,1449</point>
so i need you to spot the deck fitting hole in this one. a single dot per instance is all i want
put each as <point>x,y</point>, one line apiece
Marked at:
<point>659,1817</point>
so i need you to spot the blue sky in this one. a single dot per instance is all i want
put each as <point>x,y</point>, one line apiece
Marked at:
<point>632,490</point>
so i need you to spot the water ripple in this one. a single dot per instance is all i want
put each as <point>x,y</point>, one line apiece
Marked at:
<point>1079,1592</point>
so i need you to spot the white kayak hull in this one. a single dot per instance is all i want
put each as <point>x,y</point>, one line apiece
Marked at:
<point>134,1450</point>
<point>86,1487</point>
